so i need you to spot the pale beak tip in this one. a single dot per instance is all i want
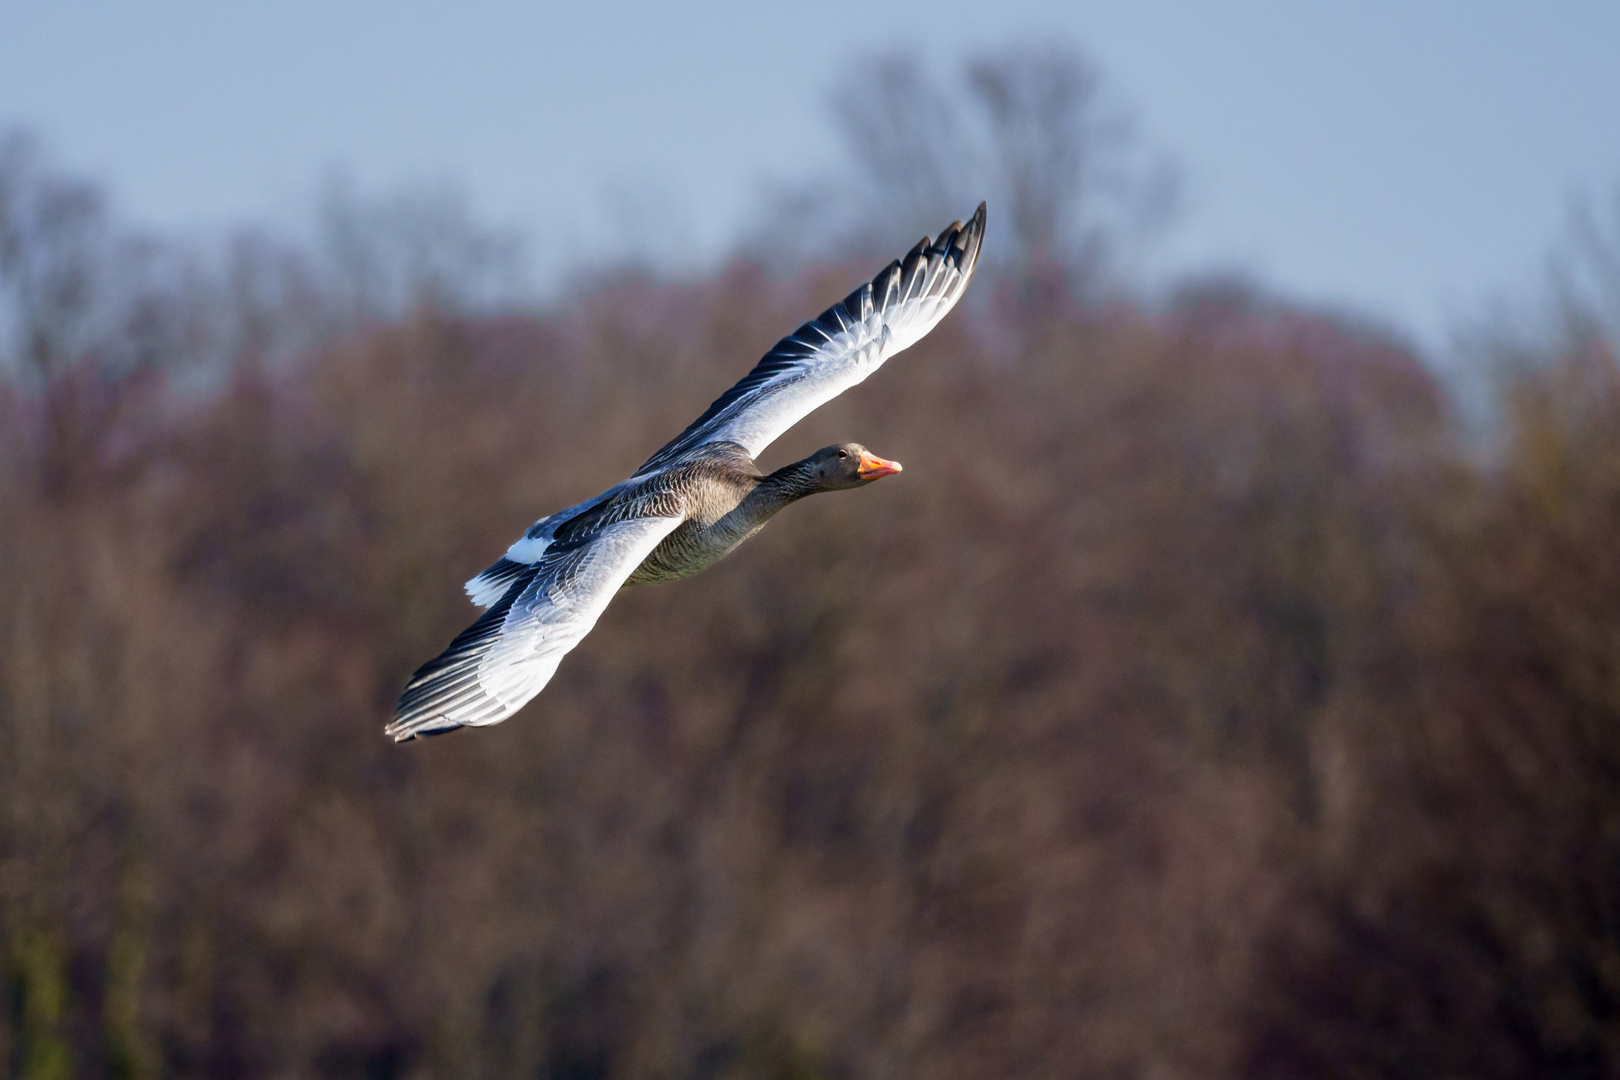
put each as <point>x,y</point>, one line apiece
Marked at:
<point>874,467</point>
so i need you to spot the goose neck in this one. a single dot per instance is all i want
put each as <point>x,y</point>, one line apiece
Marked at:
<point>788,484</point>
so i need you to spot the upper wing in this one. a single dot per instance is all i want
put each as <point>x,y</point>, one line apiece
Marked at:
<point>505,658</point>
<point>832,353</point>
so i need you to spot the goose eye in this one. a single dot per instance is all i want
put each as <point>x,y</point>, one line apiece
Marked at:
<point>843,453</point>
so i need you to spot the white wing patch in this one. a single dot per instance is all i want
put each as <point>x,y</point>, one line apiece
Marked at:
<point>491,585</point>
<point>528,549</point>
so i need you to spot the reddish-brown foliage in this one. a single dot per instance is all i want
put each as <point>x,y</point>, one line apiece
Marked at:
<point>1190,707</point>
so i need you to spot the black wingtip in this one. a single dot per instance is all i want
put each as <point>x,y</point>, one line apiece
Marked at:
<point>975,225</point>
<point>401,734</point>
<point>967,240</point>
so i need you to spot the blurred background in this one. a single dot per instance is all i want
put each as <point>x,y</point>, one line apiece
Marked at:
<point>1229,688</point>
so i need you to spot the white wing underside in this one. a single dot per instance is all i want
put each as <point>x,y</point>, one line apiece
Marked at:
<point>845,360</point>
<point>508,656</point>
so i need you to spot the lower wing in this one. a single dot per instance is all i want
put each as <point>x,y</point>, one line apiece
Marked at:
<point>498,663</point>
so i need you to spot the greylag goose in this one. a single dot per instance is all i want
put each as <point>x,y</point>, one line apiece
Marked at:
<point>691,503</point>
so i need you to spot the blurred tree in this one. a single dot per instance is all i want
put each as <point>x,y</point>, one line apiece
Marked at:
<point>1586,273</point>
<point>1062,160</point>
<point>77,286</point>
<point>1196,708</point>
<point>53,258</point>
<point>904,134</point>
<point>1027,127</point>
<point>420,246</point>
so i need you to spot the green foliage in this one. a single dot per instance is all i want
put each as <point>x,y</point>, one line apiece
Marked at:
<point>39,1004</point>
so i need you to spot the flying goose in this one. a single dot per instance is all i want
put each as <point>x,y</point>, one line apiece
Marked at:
<point>691,503</point>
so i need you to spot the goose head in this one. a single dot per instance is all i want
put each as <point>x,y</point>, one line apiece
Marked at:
<point>847,465</point>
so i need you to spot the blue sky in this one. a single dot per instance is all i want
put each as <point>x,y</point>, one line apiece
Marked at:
<point>1411,160</point>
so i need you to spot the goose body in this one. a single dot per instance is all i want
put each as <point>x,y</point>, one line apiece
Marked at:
<point>690,504</point>
<point>724,500</point>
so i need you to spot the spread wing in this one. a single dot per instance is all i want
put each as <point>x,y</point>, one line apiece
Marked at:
<point>505,658</point>
<point>832,353</point>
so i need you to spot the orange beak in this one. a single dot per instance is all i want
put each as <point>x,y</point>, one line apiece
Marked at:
<point>873,467</point>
